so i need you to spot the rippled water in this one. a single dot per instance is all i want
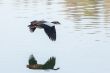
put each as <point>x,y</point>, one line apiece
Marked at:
<point>83,38</point>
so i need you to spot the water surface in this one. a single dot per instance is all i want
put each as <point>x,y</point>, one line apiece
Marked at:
<point>83,38</point>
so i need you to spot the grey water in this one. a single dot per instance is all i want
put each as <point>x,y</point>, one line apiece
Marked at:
<point>83,38</point>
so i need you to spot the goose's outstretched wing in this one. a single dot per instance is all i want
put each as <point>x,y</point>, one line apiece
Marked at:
<point>32,60</point>
<point>50,31</point>
<point>32,28</point>
<point>50,63</point>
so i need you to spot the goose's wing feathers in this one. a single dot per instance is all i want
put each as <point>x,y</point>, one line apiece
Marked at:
<point>32,60</point>
<point>50,63</point>
<point>32,28</point>
<point>50,31</point>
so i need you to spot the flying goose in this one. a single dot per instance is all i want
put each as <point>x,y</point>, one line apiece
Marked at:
<point>49,27</point>
<point>48,65</point>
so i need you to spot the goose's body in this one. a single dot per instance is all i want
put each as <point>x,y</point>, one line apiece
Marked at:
<point>49,28</point>
<point>48,65</point>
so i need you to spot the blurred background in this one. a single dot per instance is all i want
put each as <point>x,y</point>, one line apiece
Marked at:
<point>83,38</point>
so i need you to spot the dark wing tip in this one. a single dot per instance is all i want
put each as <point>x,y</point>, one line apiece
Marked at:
<point>50,63</point>
<point>32,60</point>
<point>51,32</point>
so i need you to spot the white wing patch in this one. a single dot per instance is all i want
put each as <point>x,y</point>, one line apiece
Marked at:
<point>49,24</point>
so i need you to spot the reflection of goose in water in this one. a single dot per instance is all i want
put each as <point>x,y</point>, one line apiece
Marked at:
<point>48,65</point>
<point>49,28</point>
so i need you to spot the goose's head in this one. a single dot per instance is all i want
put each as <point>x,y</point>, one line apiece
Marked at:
<point>55,22</point>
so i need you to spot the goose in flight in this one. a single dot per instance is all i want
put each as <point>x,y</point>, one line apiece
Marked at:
<point>49,27</point>
<point>47,65</point>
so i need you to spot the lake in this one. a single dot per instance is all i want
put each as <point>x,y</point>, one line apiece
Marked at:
<point>83,38</point>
